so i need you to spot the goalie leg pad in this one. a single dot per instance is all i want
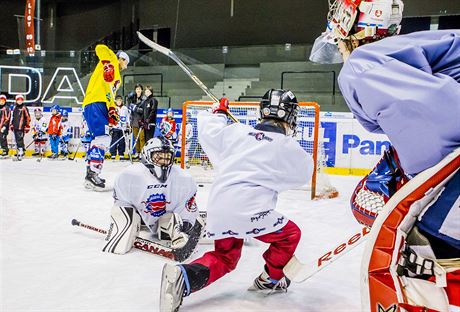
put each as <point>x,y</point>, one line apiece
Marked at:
<point>124,228</point>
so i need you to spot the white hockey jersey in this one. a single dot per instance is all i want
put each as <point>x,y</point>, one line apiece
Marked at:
<point>137,187</point>
<point>123,113</point>
<point>39,128</point>
<point>253,166</point>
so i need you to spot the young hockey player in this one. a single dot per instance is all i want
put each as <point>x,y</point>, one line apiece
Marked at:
<point>66,134</point>
<point>39,128</point>
<point>100,111</point>
<point>406,87</point>
<point>118,143</point>
<point>5,117</point>
<point>254,166</point>
<point>159,193</point>
<point>168,126</point>
<point>55,130</point>
<point>20,124</point>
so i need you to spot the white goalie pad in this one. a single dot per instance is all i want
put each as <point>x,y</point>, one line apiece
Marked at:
<point>124,227</point>
<point>170,230</point>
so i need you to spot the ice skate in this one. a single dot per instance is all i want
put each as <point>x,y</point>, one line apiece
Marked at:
<point>263,283</point>
<point>93,182</point>
<point>53,156</point>
<point>172,288</point>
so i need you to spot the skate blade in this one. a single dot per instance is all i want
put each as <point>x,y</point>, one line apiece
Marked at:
<point>169,277</point>
<point>90,186</point>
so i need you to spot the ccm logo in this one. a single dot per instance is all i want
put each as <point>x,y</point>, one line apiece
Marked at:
<point>157,186</point>
<point>329,256</point>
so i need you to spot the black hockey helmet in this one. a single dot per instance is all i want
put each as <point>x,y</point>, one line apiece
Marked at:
<point>158,156</point>
<point>280,104</point>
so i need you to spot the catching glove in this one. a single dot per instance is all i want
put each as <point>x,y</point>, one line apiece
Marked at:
<point>113,116</point>
<point>221,107</point>
<point>109,71</point>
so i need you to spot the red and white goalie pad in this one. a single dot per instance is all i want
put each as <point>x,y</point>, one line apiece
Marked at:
<point>394,279</point>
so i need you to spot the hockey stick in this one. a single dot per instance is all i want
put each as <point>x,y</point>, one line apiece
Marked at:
<point>179,255</point>
<point>184,67</point>
<point>75,153</point>
<point>299,272</point>
<point>139,243</point>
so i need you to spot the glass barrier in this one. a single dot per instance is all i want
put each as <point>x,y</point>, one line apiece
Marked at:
<point>61,77</point>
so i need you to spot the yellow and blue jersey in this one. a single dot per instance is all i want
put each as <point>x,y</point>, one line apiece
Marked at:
<point>98,89</point>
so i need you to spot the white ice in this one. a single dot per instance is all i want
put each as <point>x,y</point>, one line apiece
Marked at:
<point>48,265</point>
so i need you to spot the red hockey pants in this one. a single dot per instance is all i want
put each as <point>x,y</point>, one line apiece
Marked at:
<point>227,253</point>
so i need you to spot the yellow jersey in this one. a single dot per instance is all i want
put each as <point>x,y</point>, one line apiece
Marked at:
<point>98,89</point>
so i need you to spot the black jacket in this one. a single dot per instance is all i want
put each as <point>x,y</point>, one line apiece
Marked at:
<point>5,116</point>
<point>150,105</point>
<point>21,117</point>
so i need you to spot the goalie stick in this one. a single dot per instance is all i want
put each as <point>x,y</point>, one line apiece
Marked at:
<point>144,244</point>
<point>299,272</point>
<point>184,67</point>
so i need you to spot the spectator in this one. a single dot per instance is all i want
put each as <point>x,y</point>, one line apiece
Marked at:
<point>150,113</point>
<point>137,113</point>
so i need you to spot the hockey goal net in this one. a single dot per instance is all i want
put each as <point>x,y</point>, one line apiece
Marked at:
<point>308,134</point>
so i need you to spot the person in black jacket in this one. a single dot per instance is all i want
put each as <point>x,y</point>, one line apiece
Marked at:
<point>5,117</point>
<point>150,113</point>
<point>137,116</point>
<point>20,124</point>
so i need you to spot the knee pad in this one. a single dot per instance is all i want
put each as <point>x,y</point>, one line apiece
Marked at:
<point>124,228</point>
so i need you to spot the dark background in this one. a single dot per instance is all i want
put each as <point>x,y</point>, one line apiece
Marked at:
<point>75,25</point>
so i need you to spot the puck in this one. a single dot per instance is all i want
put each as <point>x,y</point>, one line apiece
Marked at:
<point>201,185</point>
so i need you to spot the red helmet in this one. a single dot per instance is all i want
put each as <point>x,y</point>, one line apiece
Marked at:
<point>371,19</point>
<point>19,97</point>
<point>3,97</point>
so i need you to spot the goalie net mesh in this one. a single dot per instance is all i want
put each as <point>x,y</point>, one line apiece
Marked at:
<point>309,135</point>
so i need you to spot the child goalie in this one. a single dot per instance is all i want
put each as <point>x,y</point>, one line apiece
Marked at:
<point>254,165</point>
<point>406,87</point>
<point>158,193</point>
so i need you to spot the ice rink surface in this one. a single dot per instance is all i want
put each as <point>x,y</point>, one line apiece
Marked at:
<point>48,265</point>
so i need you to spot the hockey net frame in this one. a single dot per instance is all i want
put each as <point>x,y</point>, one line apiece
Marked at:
<point>327,191</point>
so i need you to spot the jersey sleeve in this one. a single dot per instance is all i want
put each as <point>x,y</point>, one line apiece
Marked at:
<point>187,207</point>
<point>122,189</point>
<point>407,87</point>
<point>106,55</point>
<point>211,134</point>
<point>294,169</point>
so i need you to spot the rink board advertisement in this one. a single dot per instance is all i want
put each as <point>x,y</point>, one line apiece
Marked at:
<point>348,147</point>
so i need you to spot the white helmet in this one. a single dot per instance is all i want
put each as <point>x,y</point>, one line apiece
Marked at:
<point>158,156</point>
<point>368,20</point>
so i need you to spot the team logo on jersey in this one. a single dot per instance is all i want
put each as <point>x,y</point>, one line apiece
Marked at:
<point>255,231</point>
<point>260,215</point>
<point>279,221</point>
<point>260,136</point>
<point>190,205</point>
<point>229,232</point>
<point>155,205</point>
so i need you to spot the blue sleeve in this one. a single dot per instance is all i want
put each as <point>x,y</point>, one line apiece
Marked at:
<point>407,87</point>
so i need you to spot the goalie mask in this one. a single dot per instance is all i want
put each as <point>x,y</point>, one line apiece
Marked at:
<point>281,105</point>
<point>365,21</point>
<point>158,156</point>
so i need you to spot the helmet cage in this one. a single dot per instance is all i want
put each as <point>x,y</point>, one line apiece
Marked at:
<point>150,157</point>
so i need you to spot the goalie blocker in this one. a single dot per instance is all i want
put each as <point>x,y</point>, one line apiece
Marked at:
<point>411,262</point>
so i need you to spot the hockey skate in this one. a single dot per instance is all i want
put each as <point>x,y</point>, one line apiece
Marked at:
<point>4,155</point>
<point>263,283</point>
<point>93,182</point>
<point>172,288</point>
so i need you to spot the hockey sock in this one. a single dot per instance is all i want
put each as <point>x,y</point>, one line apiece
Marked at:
<point>95,158</point>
